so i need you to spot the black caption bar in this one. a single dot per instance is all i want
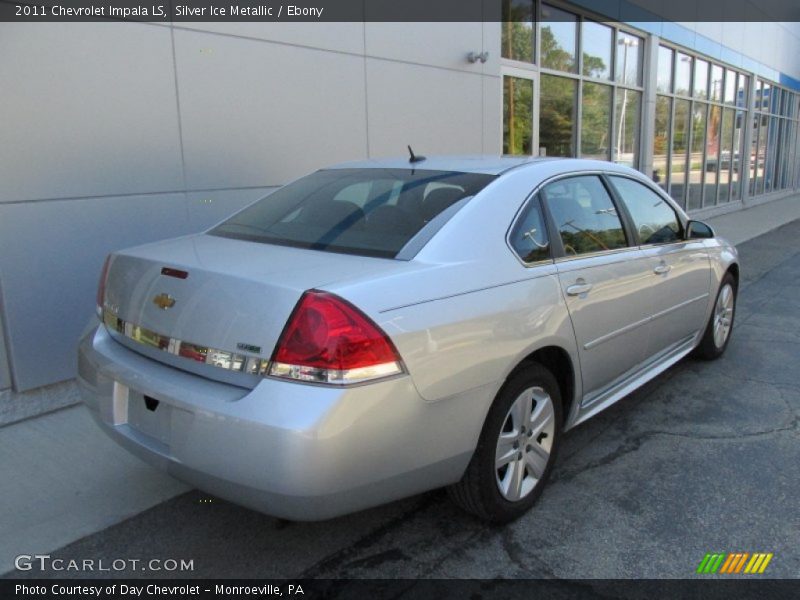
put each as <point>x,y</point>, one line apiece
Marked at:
<point>433,589</point>
<point>375,10</point>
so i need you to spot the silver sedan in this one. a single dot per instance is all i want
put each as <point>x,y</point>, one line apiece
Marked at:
<point>381,328</point>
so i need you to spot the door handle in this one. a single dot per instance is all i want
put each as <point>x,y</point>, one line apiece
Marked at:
<point>662,269</point>
<point>578,288</point>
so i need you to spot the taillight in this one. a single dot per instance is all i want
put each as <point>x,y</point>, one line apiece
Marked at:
<point>328,340</point>
<point>101,287</point>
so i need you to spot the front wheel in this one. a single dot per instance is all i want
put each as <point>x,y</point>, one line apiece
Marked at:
<point>516,449</point>
<point>718,331</point>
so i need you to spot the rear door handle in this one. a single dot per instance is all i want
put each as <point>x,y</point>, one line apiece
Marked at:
<point>662,269</point>
<point>578,288</point>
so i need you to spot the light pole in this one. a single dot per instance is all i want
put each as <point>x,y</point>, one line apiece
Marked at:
<point>625,42</point>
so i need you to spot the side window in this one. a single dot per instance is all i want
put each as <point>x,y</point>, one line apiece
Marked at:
<point>584,215</point>
<point>654,219</point>
<point>529,236</point>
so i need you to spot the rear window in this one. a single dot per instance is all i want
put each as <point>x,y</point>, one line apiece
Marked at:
<point>370,212</point>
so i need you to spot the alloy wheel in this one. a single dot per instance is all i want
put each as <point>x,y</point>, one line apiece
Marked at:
<point>723,315</point>
<point>524,445</point>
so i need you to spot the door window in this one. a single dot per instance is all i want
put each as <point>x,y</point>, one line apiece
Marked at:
<point>654,219</point>
<point>584,215</point>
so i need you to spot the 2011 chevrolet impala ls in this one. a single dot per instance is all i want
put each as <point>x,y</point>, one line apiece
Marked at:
<point>381,328</point>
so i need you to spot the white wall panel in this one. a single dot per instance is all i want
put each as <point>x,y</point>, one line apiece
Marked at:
<point>88,109</point>
<point>255,113</point>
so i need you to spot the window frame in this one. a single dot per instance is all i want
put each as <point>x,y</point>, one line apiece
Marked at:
<point>557,251</point>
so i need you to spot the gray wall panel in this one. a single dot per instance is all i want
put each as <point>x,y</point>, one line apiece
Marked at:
<point>5,374</point>
<point>435,44</point>
<point>89,110</point>
<point>340,37</point>
<point>437,111</point>
<point>255,113</point>
<point>209,208</point>
<point>50,277</point>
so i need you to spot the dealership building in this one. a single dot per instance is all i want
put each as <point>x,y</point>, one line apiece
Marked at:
<point>120,133</point>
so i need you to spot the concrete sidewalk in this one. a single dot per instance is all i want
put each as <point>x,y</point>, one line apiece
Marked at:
<point>63,479</point>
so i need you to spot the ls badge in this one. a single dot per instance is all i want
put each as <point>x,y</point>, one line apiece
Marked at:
<point>164,301</point>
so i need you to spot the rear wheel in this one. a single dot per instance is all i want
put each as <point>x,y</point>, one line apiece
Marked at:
<point>516,449</point>
<point>718,331</point>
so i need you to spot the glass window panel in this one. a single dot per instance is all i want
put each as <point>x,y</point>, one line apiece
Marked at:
<point>584,214</point>
<point>529,236</point>
<point>775,101</point>
<point>518,33</point>
<point>727,160</point>
<point>738,158</point>
<point>766,93</point>
<point>661,141</point>
<point>761,154</point>
<point>680,147</point>
<point>712,164</point>
<point>716,83</point>
<point>558,39</point>
<point>629,61</point>
<point>557,115</point>
<point>755,163</point>
<point>783,153</point>
<point>683,74</point>
<point>655,220</point>
<point>741,90</point>
<point>730,87</point>
<point>517,115</point>
<point>596,43</point>
<point>626,130</point>
<point>772,148</point>
<point>699,122</point>
<point>700,79</point>
<point>664,71</point>
<point>596,121</point>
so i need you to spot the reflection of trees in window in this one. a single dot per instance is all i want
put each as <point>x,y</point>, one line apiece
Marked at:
<point>594,66</point>
<point>517,115</point>
<point>554,36</point>
<point>596,107</point>
<point>518,30</point>
<point>556,110</point>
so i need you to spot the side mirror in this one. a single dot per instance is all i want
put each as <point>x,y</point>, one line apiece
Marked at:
<point>697,230</point>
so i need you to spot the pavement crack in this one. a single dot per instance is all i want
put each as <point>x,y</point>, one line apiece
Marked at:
<point>633,443</point>
<point>336,560</point>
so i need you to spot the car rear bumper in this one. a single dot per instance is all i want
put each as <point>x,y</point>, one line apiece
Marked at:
<point>296,451</point>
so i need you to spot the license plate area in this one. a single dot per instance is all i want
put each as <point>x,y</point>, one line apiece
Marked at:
<point>149,416</point>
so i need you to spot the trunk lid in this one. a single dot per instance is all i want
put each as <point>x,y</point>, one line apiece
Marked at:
<point>226,315</point>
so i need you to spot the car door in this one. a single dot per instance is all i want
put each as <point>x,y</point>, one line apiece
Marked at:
<point>603,279</point>
<point>679,269</point>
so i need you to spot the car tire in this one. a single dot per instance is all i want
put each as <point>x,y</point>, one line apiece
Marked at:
<point>720,323</point>
<point>525,448</point>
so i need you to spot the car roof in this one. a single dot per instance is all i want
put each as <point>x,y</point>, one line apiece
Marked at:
<point>487,164</point>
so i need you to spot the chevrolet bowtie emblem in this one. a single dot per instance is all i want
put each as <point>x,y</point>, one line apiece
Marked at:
<point>164,301</point>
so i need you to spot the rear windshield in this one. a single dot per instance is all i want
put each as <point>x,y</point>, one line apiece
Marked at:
<point>370,212</point>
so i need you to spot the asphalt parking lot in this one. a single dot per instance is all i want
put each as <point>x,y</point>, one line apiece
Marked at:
<point>706,458</point>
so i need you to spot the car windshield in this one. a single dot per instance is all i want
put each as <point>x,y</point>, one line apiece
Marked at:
<point>369,212</point>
